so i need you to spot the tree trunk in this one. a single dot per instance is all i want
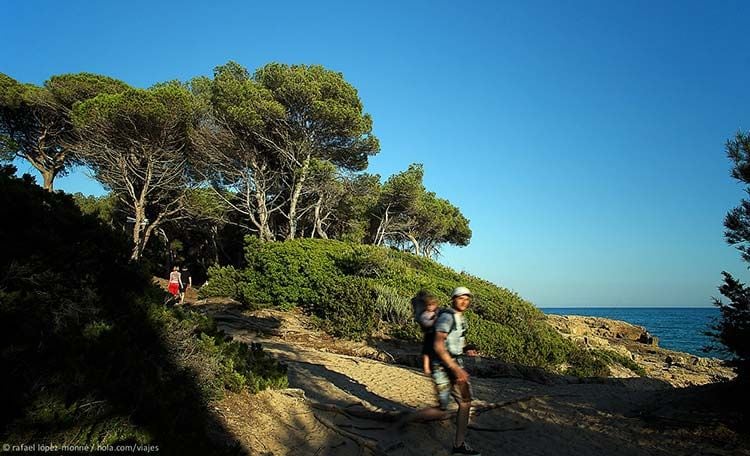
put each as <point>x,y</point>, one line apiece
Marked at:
<point>261,205</point>
<point>264,231</point>
<point>380,234</point>
<point>214,234</point>
<point>137,230</point>
<point>297,191</point>
<point>49,179</point>
<point>415,244</point>
<point>40,160</point>
<point>319,220</point>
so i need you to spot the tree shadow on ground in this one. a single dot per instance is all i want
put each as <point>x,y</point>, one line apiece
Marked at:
<point>593,416</point>
<point>565,415</point>
<point>303,376</point>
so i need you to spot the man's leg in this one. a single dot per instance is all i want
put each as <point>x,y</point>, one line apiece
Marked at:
<point>462,394</point>
<point>442,382</point>
<point>462,423</point>
<point>422,415</point>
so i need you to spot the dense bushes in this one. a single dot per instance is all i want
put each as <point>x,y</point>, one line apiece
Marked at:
<point>352,289</point>
<point>213,359</point>
<point>88,358</point>
<point>223,281</point>
<point>344,307</point>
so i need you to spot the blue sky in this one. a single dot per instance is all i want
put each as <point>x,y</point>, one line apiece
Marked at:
<point>584,141</point>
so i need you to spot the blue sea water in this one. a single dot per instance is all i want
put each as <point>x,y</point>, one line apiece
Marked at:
<point>679,329</point>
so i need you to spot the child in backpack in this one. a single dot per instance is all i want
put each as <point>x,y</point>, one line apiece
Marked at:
<point>427,321</point>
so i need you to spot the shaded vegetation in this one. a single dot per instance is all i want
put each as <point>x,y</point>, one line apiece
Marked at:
<point>89,353</point>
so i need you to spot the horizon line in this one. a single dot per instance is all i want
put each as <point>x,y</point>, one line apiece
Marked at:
<point>626,307</point>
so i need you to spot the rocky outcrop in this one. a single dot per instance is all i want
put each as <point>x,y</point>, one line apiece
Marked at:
<point>635,342</point>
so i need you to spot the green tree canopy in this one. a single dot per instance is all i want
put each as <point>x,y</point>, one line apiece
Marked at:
<point>35,122</point>
<point>323,119</point>
<point>263,136</point>
<point>407,213</point>
<point>242,170</point>
<point>136,143</point>
<point>324,116</point>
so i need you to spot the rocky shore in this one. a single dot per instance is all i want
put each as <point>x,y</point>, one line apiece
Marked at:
<point>677,368</point>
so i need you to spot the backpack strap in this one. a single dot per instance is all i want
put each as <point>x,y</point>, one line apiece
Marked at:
<point>453,316</point>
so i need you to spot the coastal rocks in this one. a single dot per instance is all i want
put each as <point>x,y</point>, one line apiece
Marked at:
<point>597,333</point>
<point>648,339</point>
<point>600,328</point>
<point>635,342</point>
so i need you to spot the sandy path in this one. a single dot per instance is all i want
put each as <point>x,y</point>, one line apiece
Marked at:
<point>610,417</point>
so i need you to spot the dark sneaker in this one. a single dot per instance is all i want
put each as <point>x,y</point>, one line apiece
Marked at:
<point>466,449</point>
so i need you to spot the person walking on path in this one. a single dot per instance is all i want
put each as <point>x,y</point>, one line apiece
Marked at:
<point>448,374</point>
<point>186,281</point>
<point>175,282</point>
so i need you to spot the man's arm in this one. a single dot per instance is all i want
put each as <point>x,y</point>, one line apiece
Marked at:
<point>447,359</point>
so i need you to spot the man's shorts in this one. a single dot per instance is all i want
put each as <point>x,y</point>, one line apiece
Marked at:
<point>446,386</point>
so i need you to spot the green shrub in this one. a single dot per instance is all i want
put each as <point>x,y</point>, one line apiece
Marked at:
<point>345,308</point>
<point>350,289</point>
<point>584,363</point>
<point>390,306</point>
<point>217,362</point>
<point>286,274</point>
<point>224,282</point>
<point>407,331</point>
<point>364,261</point>
<point>262,371</point>
<point>611,357</point>
<point>595,363</point>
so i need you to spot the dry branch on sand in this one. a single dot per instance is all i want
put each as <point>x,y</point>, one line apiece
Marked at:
<point>366,411</point>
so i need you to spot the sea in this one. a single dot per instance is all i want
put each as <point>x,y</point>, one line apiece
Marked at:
<point>678,328</point>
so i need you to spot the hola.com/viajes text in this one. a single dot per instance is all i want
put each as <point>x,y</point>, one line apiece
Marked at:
<point>54,448</point>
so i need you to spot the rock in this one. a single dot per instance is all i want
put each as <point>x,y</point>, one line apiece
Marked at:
<point>637,344</point>
<point>648,339</point>
<point>594,326</point>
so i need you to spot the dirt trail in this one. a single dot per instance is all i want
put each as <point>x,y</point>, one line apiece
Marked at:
<point>318,415</point>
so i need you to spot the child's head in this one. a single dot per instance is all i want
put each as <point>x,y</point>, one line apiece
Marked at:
<point>430,303</point>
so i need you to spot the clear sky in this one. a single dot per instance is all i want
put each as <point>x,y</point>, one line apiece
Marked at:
<point>584,140</point>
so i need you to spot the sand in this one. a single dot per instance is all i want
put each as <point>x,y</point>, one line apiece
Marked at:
<point>317,415</point>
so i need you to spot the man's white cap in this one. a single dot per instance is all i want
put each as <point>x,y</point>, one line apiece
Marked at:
<point>460,291</point>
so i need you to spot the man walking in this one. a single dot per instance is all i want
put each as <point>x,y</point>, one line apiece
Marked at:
<point>448,374</point>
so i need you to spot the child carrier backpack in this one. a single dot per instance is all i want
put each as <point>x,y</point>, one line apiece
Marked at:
<point>418,305</point>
